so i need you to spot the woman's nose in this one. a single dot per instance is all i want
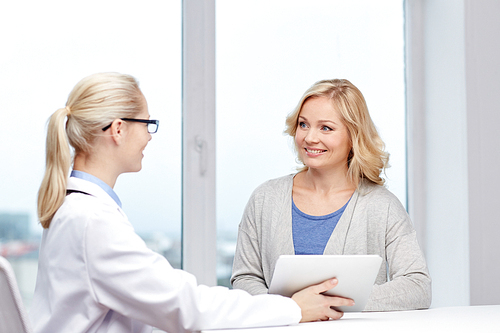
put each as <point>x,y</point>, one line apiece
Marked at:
<point>311,136</point>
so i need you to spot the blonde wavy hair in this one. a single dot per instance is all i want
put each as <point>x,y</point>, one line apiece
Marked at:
<point>94,102</point>
<point>367,159</point>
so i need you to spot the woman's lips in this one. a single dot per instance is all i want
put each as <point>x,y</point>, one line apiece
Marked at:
<point>314,151</point>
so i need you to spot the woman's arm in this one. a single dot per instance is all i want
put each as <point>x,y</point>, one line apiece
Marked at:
<point>409,285</point>
<point>247,265</point>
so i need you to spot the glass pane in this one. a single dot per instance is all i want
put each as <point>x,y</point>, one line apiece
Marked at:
<point>266,60</point>
<point>48,46</point>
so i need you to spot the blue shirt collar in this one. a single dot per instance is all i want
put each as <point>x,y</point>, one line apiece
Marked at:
<point>97,181</point>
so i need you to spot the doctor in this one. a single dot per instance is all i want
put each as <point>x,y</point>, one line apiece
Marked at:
<point>95,274</point>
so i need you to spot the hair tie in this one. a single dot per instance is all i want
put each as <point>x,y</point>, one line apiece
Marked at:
<point>68,110</point>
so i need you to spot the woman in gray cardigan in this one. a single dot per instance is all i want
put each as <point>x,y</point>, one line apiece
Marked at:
<point>337,204</point>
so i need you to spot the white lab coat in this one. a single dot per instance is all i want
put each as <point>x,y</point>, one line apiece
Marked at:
<point>96,274</point>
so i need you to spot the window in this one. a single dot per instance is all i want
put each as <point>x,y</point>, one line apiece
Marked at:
<point>266,59</point>
<point>49,47</point>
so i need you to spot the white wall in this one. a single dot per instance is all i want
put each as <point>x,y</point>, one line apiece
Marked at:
<point>451,61</point>
<point>482,32</point>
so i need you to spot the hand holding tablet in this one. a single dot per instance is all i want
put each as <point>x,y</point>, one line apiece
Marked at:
<point>315,305</point>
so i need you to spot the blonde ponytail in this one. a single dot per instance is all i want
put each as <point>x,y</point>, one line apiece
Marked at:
<point>57,161</point>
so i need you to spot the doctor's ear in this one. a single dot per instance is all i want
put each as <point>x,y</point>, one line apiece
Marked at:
<point>117,130</point>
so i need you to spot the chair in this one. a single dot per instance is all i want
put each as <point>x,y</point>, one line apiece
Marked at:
<point>13,316</point>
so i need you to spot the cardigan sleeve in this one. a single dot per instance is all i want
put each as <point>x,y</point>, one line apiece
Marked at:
<point>409,285</point>
<point>247,266</point>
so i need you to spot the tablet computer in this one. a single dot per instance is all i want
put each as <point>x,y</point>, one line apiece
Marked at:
<point>356,275</point>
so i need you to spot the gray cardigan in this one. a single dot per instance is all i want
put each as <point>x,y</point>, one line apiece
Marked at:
<point>374,222</point>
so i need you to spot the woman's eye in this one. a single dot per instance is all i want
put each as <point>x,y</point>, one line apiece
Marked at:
<point>302,124</point>
<point>326,128</point>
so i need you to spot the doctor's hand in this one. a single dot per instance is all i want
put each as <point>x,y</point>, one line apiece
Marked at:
<point>316,306</point>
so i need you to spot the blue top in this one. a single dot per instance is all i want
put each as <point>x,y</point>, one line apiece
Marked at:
<point>97,181</point>
<point>311,233</point>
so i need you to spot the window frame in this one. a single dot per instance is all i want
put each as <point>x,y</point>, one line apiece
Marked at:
<point>199,230</point>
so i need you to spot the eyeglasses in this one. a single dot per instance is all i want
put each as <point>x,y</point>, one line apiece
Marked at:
<point>152,124</point>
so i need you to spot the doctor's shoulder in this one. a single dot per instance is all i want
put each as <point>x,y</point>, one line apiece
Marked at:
<point>87,208</point>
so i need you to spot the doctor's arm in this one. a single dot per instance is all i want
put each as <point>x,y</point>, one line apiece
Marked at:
<point>132,280</point>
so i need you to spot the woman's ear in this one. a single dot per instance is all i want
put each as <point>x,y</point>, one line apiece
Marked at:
<point>117,130</point>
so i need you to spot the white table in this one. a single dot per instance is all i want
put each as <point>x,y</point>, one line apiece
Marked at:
<point>481,319</point>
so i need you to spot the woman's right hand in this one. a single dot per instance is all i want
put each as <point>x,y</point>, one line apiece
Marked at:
<point>316,306</point>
